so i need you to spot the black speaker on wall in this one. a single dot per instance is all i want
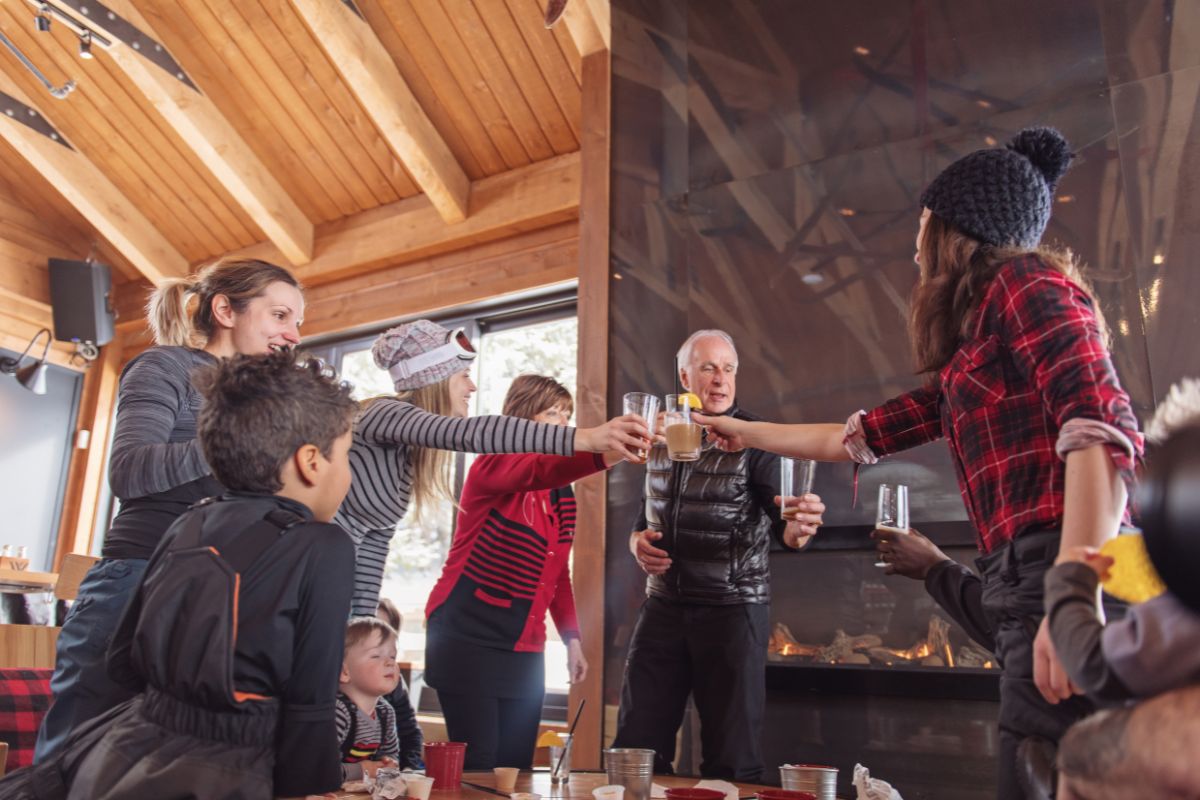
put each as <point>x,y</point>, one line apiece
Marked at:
<point>79,293</point>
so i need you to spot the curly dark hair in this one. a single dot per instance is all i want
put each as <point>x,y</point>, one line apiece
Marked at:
<point>259,410</point>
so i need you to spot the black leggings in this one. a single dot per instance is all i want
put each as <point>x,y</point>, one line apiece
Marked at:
<point>499,731</point>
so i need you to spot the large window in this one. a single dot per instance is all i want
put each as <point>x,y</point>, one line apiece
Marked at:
<point>537,337</point>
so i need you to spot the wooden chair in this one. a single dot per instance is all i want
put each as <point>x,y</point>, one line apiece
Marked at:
<point>74,567</point>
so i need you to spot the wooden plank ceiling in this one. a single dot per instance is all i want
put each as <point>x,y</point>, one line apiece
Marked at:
<point>332,139</point>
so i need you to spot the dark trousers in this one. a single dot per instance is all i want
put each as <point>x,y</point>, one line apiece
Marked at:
<point>499,731</point>
<point>718,654</point>
<point>1012,602</point>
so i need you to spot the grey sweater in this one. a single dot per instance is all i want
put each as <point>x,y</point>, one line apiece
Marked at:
<point>156,468</point>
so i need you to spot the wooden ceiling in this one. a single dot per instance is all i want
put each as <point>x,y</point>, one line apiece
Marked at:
<point>333,137</point>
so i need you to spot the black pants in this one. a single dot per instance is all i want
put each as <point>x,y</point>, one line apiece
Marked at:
<point>499,731</point>
<point>718,654</point>
<point>1012,603</point>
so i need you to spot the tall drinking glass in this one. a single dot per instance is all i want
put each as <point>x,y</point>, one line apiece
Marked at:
<point>892,512</point>
<point>795,480</point>
<point>683,435</point>
<point>646,407</point>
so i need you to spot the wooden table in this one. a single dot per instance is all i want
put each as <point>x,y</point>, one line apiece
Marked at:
<point>482,786</point>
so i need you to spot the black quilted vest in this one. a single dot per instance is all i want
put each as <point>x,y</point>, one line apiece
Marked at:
<point>713,526</point>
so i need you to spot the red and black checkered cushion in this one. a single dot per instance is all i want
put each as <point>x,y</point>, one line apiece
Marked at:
<point>24,698</point>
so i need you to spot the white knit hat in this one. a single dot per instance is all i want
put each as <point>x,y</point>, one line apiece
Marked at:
<point>421,353</point>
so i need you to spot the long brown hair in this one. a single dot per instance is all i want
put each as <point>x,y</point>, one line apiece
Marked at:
<point>180,309</point>
<point>432,468</point>
<point>956,271</point>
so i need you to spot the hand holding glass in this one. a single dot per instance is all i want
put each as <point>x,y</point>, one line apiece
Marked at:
<point>645,406</point>
<point>795,480</point>
<point>892,511</point>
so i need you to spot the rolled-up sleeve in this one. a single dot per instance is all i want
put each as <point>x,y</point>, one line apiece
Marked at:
<point>1050,325</point>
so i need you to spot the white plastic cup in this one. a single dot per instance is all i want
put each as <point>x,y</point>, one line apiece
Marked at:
<point>525,796</point>
<point>611,792</point>
<point>419,786</point>
<point>506,778</point>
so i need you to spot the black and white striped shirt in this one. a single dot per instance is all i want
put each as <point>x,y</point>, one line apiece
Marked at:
<point>383,471</point>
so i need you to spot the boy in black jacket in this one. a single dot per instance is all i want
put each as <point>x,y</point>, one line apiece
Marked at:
<point>234,636</point>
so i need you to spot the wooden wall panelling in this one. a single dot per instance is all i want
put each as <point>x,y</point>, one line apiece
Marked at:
<point>519,263</point>
<point>85,475</point>
<point>519,200</point>
<point>592,399</point>
<point>369,71</point>
<point>202,128</point>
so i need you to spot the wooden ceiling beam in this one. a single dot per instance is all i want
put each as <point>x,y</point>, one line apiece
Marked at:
<point>585,26</point>
<point>373,77</point>
<point>96,198</point>
<point>208,134</point>
<point>519,200</point>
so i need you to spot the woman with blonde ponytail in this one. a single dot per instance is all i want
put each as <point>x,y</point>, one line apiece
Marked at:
<point>156,467</point>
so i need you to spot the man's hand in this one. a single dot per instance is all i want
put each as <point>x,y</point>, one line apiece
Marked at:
<point>909,554</point>
<point>1048,673</point>
<point>803,526</point>
<point>724,430</point>
<point>577,665</point>
<point>1100,564</point>
<point>651,559</point>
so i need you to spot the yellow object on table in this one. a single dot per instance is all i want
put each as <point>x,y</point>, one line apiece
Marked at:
<point>550,739</point>
<point>1132,577</point>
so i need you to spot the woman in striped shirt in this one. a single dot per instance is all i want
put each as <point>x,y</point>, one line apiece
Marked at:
<point>401,442</point>
<point>508,566</point>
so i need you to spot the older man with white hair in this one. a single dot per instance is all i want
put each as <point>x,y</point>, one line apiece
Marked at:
<point>702,538</point>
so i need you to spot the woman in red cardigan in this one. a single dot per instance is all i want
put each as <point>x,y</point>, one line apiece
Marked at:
<point>508,565</point>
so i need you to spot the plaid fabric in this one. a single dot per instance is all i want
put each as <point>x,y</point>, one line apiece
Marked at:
<point>24,698</point>
<point>1035,360</point>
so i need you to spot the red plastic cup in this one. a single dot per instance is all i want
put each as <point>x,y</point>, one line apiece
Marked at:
<point>694,794</point>
<point>785,794</point>
<point>444,763</point>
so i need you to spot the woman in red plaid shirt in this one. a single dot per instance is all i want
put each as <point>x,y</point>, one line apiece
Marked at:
<point>1022,387</point>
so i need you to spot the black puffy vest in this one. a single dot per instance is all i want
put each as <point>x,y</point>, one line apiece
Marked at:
<point>713,525</point>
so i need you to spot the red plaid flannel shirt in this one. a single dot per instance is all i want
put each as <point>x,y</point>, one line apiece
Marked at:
<point>24,699</point>
<point>1035,360</point>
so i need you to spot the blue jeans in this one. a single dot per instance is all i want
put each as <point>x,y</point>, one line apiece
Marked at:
<point>81,686</point>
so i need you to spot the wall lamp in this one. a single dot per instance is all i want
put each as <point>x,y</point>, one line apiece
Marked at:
<point>31,376</point>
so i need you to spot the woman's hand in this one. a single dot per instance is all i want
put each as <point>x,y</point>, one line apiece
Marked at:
<point>803,526</point>
<point>1048,673</point>
<point>1099,563</point>
<point>577,665</point>
<point>726,431</point>
<point>629,435</point>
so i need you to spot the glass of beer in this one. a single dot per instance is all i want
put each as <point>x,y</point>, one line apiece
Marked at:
<point>795,480</point>
<point>892,512</point>
<point>683,435</point>
<point>645,406</point>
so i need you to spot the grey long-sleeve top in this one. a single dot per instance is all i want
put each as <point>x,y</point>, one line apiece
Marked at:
<point>1154,649</point>
<point>156,467</point>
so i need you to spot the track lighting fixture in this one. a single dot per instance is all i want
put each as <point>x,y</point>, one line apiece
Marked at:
<point>85,45</point>
<point>43,17</point>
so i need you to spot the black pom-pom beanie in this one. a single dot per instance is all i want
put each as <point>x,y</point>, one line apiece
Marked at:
<point>1002,196</point>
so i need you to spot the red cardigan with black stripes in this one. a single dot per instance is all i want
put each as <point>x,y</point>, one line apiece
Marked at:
<point>508,563</point>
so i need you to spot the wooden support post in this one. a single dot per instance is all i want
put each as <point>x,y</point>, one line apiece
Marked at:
<point>592,400</point>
